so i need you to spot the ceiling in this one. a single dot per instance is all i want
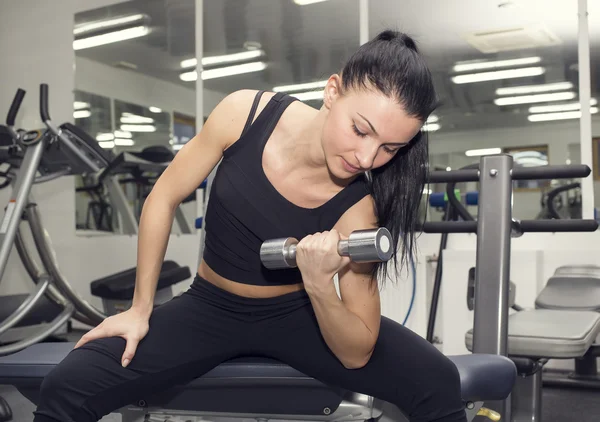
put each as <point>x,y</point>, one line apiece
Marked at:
<point>308,43</point>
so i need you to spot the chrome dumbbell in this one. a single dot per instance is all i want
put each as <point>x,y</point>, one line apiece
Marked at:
<point>371,245</point>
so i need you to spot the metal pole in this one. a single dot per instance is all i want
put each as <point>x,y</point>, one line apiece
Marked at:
<point>490,330</point>
<point>18,200</point>
<point>585,123</point>
<point>363,21</point>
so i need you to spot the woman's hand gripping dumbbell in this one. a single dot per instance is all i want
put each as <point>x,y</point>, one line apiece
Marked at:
<point>372,245</point>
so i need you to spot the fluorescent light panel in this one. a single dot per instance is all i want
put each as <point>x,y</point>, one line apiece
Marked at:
<point>102,137</point>
<point>111,37</point>
<point>226,58</point>
<point>124,142</point>
<point>431,127</point>
<point>224,71</point>
<point>108,23</point>
<point>301,87</point>
<point>138,128</point>
<point>481,65</point>
<point>155,109</point>
<point>78,105</point>
<point>498,74</point>
<point>81,114</point>
<point>536,98</point>
<point>106,144</point>
<point>483,151</point>
<point>560,107</point>
<point>533,89</point>
<point>135,119</point>
<point>306,2</point>
<point>547,117</point>
<point>307,96</point>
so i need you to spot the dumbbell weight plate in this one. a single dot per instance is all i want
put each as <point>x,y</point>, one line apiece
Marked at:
<point>279,253</point>
<point>363,246</point>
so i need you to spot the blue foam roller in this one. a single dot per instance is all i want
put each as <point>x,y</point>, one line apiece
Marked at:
<point>437,199</point>
<point>472,198</point>
<point>199,222</point>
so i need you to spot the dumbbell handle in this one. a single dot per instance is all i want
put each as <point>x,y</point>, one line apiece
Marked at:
<point>291,250</point>
<point>372,245</point>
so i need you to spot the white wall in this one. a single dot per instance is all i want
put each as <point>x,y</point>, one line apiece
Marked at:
<point>36,44</point>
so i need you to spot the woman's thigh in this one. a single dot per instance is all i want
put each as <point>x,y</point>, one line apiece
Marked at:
<point>187,337</point>
<point>404,369</point>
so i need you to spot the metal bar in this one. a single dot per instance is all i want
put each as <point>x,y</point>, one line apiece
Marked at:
<point>25,307</point>
<point>570,171</point>
<point>182,222</point>
<point>127,221</point>
<point>490,330</point>
<point>585,122</point>
<point>363,21</point>
<point>18,199</point>
<point>58,322</point>
<point>47,256</point>
<point>558,226</point>
<point>450,227</point>
<point>519,173</point>
<point>453,176</point>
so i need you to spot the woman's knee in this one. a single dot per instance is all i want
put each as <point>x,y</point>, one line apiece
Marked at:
<point>440,398</point>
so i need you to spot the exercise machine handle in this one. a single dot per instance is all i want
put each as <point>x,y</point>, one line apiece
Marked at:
<point>14,107</point>
<point>44,103</point>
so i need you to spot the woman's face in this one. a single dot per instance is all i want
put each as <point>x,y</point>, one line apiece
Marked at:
<point>363,130</point>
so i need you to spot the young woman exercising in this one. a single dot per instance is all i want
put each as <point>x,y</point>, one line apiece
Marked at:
<point>287,170</point>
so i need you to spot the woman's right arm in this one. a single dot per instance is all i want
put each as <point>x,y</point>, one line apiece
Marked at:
<point>190,167</point>
<point>185,173</point>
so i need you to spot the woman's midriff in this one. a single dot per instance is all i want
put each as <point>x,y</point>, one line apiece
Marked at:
<point>245,290</point>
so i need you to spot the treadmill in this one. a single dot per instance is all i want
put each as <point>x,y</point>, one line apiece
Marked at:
<point>36,157</point>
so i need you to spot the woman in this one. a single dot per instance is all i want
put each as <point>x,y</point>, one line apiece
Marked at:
<point>287,170</point>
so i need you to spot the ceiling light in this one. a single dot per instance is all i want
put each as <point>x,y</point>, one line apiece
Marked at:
<point>107,144</point>
<point>139,128</point>
<point>108,23</point>
<point>224,71</point>
<point>155,110</point>
<point>81,114</point>
<point>124,142</point>
<point>105,137</point>
<point>431,127</point>
<point>122,134</point>
<point>483,151</point>
<point>537,98</point>
<point>78,105</point>
<point>135,119</point>
<point>305,2</point>
<point>546,117</point>
<point>532,89</point>
<point>433,118</point>
<point>111,37</point>
<point>480,65</point>
<point>300,87</point>
<point>308,96</point>
<point>227,58</point>
<point>560,107</point>
<point>498,74</point>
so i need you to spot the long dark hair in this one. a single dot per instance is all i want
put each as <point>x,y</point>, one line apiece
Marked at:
<point>392,64</point>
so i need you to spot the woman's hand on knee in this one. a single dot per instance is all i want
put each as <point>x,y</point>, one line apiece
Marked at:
<point>130,325</point>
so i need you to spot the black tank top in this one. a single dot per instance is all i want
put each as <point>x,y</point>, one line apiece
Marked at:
<point>245,209</point>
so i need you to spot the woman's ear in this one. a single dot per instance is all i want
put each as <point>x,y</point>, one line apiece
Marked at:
<point>332,90</point>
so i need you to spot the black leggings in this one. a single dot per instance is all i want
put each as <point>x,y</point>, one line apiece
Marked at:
<point>206,325</point>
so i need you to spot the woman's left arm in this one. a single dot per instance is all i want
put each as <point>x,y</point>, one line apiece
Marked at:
<point>350,325</point>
